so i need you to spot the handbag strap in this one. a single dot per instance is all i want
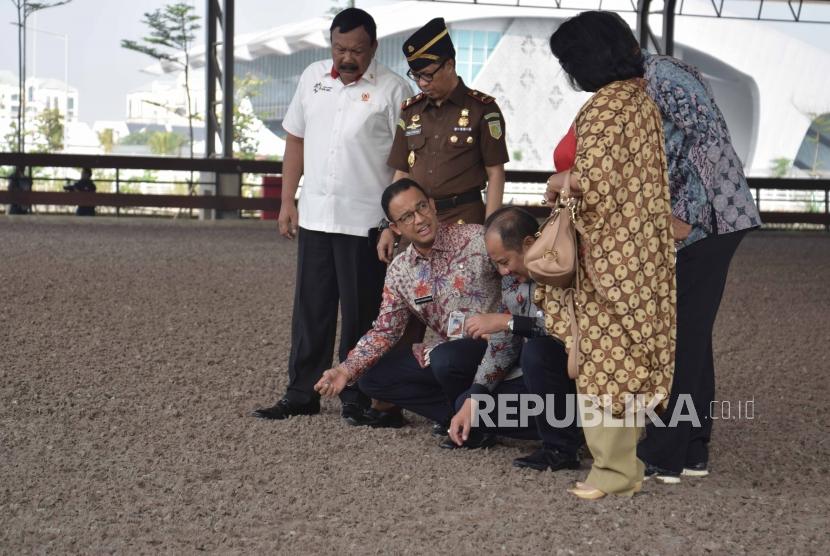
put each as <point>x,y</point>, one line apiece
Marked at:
<point>570,298</point>
<point>569,294</point>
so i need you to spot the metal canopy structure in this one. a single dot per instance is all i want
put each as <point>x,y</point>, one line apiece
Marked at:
<point>219,17</point>
<point>784,11</point>
<point>222,48</point>
<point>646,36</point>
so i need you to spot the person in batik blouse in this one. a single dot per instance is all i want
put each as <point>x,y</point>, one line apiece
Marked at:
<point>625,279</point>
<point>712,209</point>
<point>444,275</point>
<point>517,336</point>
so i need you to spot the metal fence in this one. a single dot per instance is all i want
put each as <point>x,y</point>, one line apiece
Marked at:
<point>193,184</point>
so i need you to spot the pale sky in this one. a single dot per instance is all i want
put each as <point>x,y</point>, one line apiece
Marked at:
<point>99,68</point>
<point>103,72</point>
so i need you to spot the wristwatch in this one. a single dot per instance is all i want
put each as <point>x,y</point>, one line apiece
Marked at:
<point>510,326</point>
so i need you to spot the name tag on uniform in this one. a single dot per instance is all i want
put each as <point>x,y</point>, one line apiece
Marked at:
<point>411,132</point>
<point>422,300</point>
<point>462,129</point>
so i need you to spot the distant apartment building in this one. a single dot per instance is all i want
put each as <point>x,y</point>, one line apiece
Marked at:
<point>41,94</point>
<point>164,101</point>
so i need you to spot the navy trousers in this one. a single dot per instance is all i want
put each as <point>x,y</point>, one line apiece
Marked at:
<point>437,392</point>
<point>398,378</point>
<point>545,371</point>
<point>702,268</point>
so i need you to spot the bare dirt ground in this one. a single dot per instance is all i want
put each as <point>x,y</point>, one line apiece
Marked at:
<point>132,352</point>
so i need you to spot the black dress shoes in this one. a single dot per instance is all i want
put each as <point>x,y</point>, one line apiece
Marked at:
<point>439,430</point>
<point>543,459</point>
<point>284,409</point>
<point>356,415</point>
<point>474,441</point>
<point>385,419</point>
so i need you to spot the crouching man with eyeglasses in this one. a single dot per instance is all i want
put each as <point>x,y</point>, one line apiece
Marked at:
<point>441,279</point>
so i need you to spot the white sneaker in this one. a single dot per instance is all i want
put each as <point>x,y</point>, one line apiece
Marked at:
<point>695,471</point>
<point>662,476</point>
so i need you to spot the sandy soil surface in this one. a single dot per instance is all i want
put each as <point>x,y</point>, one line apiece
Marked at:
<point>132,352</point>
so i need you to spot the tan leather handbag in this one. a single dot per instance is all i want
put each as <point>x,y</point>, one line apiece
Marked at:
<point>553,260</point>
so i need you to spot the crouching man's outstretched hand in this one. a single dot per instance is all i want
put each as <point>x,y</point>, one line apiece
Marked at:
<point>332,382</point>
<point>460,425</point>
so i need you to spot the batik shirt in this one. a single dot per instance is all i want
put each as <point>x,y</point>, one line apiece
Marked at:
<point>501,359</point>
<point>707,184</point>
<point>457,275</point>
<point>626,300</point>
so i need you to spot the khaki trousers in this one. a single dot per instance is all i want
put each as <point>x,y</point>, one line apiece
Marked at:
<point>616,468</point>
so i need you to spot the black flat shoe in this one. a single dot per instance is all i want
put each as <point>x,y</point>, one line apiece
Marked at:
<point>544,459</point>
<point>475,441</point>
<point>284,409</point>
<point>356,415</point>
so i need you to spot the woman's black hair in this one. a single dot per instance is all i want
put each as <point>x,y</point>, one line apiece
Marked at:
<point>596,48</point>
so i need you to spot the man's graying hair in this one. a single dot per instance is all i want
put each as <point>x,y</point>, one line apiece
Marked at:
<point>513,226</point>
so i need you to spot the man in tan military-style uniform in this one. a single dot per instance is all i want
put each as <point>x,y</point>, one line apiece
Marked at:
<point>450,138</point>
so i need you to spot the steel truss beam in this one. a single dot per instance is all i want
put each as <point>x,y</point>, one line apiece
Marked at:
<point>219,17</point>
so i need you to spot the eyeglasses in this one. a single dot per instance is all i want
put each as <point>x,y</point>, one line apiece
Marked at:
<point>421,208</point>
<point>427,77</point>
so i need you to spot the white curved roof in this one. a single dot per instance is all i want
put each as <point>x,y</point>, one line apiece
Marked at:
<point>789,75</point>
<point>390,19</point>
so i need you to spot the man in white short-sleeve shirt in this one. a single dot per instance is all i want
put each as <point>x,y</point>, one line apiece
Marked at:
<point>340,126</point>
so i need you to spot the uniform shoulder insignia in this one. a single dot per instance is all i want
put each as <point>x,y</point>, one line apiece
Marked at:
<point>412,100</point>
<point>481,97</point>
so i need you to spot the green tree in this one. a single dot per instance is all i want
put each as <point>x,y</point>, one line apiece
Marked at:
<point>339,6</point>
<point>11,140</point>
<point>136,138</point>
<point>172,33</point>
<point>24,9</point>
<point>780,167</point>
<point>245,121</point>
<point>49,128</point>
<point>106,139</point>
<point>166,143</point>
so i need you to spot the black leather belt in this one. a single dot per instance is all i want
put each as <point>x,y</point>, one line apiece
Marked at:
<point>471,196</point>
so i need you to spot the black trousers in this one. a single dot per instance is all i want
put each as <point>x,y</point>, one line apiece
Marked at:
<point>332,270</point>
<point>545,372</point>
<point>437,392</point>
<point>702,268</point>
